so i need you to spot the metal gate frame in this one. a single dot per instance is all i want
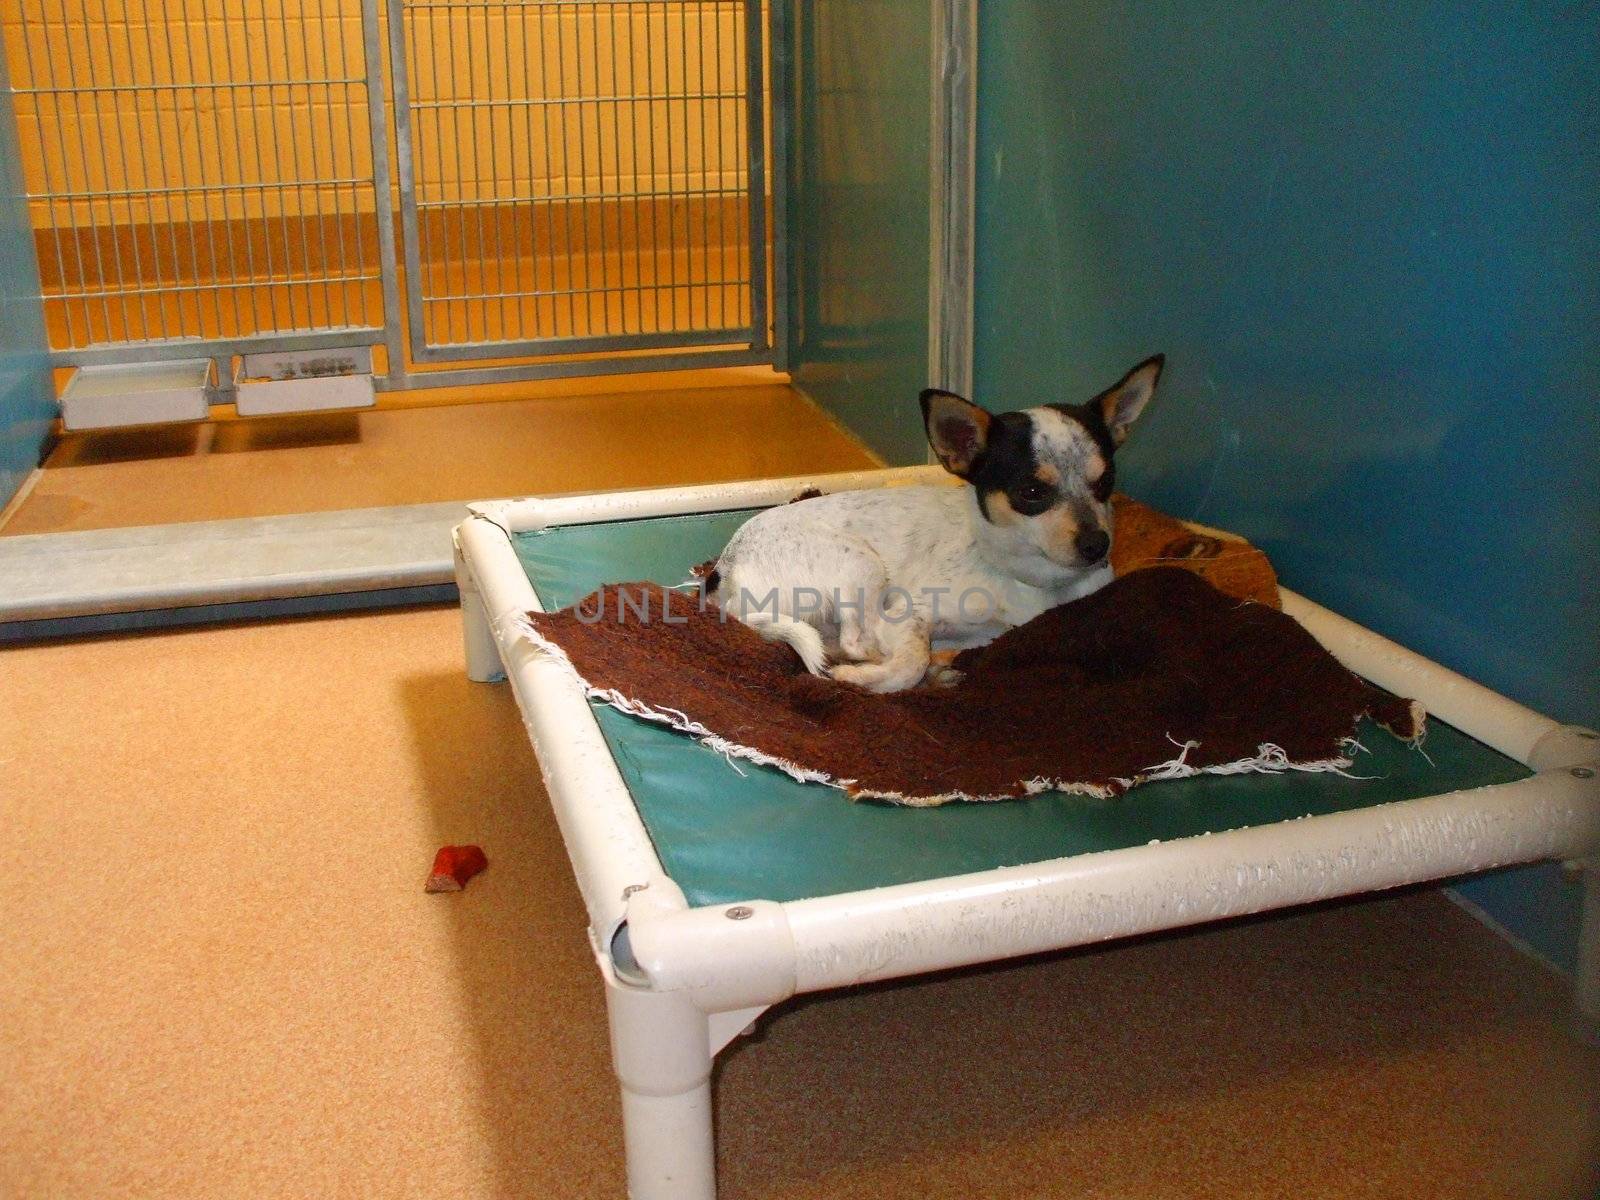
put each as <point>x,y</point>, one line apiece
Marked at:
<point>757,346</point>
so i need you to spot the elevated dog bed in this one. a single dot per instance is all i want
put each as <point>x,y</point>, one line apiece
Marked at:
<point>716,887</point>
<point>728,832</point>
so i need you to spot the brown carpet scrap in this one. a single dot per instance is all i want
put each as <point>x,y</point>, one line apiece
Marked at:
<point>1156,676</point>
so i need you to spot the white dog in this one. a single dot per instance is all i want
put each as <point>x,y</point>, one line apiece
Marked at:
<point>862,583</point>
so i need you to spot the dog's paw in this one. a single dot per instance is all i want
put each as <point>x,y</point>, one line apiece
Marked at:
<point>874,677</point>
<point>942,675</point>
<point>848,672</point>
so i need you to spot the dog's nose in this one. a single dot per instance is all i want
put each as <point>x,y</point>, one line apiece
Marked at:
<point>1093,544</point>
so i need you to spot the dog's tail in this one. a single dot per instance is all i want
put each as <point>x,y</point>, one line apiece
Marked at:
<point>802,638</point>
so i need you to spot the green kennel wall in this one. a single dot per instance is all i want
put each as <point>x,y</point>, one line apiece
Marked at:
<point>1367,238</point>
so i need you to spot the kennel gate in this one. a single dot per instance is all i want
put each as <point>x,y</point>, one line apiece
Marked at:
<point>581,185</point>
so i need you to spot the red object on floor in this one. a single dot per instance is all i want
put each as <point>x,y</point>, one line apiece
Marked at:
<point>453,866</point>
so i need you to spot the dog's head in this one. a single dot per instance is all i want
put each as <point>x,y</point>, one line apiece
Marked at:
<point>1044,474</point>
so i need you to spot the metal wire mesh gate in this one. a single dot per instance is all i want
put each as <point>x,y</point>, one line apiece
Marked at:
<point>581,183</point>
<point>200,177</point>
<point>598,188</point>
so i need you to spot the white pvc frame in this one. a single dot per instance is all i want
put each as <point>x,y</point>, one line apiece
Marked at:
<point>682,982</point>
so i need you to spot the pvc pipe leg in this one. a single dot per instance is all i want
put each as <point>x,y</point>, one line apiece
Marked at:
<point>661,1051</point>
<point>1587,984</point>
<point>483,655</point>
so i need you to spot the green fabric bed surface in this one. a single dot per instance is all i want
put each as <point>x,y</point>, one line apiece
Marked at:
<point>726,833</point>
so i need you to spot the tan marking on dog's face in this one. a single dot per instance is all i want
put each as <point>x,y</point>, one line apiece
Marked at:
<point>1058,533</point>
<point>1053,531</point>
<point>1000,511</point>
<point>1047,473</point>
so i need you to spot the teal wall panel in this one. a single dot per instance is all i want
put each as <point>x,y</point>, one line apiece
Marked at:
<point>27,404</point>
<point>1366,237</point>
<point>858,215</point>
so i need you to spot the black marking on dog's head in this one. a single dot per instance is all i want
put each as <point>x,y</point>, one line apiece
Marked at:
<point>1009,467</point>
<point>1056,461</point>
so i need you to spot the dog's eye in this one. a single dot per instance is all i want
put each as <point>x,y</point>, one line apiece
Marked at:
<point>1036,496</point>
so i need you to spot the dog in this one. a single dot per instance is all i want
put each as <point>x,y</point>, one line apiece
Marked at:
<point>863,584</point>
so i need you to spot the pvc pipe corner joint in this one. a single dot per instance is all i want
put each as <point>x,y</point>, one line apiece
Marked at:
<point>1566,747</point>
<point>725,956</point>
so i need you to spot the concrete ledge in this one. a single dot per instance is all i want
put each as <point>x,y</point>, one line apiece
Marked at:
<point>62,575</point>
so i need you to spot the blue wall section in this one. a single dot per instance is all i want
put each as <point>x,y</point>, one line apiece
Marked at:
<point>27,404</point>
<point>1367,237</point>
<point>858,216</point>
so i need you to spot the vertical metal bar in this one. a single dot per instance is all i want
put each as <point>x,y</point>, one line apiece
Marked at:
<point>145,176</point>
<point>756,160</point>
<point>535,148</point>
<point>37,100</point>
<point>320,266</point>
<point>83,163</point>
<point>507,304</point>
<point>430,122</point>
<point>672,182</point>
<point>709,183</point>
<point>250,91</point>
<point>653,192</point>
<point>781,95</point>
<point>567,175</point>
<point>617,107</point>
<point>469,113</point>
<point>461,176</point>
<point>583,167</point>
<point>280,176</point>
<point>684,91</point>
<point>171,166</point>
<point>723,158</point>
<point>371,141</point>
<point>378,132</point>
<point>205,196</point>
<point>346,102</point>
<point>952,147</point>
<point>294,145</point>
<point>404,158</point>
<point>169,170</point>
<point>636,187</point>
<point>149,204</point>
<point>567,218</point>
<point>241,187</point>
<point>436,180</point>
<point>600,172</point>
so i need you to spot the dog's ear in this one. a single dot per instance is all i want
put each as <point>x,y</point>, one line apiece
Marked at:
<point>1121,403</point>
<point>958,429</point>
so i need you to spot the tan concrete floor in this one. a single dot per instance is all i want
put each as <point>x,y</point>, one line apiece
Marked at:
<point>547,443</point>
<point>223,979</point>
